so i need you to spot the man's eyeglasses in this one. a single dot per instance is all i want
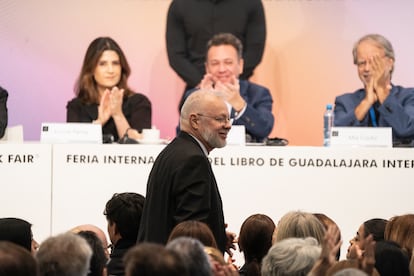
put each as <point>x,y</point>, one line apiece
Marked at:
<point>221,120</point>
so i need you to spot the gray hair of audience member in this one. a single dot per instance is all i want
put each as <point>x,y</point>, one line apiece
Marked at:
<point>151,259</point>
<point>380,41</point>
<point>350,272</point>
<point>193,255</point>
<point>291,257</point>
<point>16,260</point>
<point>299,224</point>
<point>66,254</point>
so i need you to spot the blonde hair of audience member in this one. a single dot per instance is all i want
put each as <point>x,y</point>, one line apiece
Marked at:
<point>215,254</point>
<point>151,259</point>
<point>254,241</point>
<point>98,231</point>
<point>16,260</point>
<point>194,229</point>
<point>299,224</point>
<point>66,254</point>
<point>219,266</point>
<point>400,229</point>
<point>291,257</point>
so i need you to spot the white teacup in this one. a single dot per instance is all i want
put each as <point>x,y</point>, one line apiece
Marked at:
<point>151,134</point>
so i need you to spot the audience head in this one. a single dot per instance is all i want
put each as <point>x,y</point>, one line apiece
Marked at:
<point>102,53</point>
<point>99,258</point>
<point>348,266</point>
<point>16,260</point>
<point>194,229</point>
<point>224,57</point>
<point>255,239</point>
<point>375,227</point>
<point>368,46</point>
<point>326,222</point>
<point>98,232</point>
<point>400,229</point>
<point>350,272</point>
<point>193,255</point>
<point>299,224</point>
<point>205,116</point>
<point>215,255</point>
<point>291,257</point>
<point>150,259</point>
<point>123,213</point>
<point>64,255</point>
<point>390,259</point>
<point>18,231</point>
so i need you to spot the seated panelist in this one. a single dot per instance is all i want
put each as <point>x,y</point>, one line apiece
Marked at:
<point>379,103</point>
<point>249,104</point>
<point>103,96</point>
<point>3,111</point>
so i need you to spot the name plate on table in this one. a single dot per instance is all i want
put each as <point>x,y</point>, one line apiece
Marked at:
<point>71,133</point>
<point>361,136</point>
<point>237,135</point>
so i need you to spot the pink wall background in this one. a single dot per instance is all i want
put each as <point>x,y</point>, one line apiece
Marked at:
<point>307,60</point>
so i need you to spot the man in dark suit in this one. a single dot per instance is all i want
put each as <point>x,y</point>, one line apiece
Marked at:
<point>190,24</point>
<point>249,104</point>
<point>181,185</point>
<point>3,111</point>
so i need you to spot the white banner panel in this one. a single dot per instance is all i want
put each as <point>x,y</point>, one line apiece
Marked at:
<point>349,185</point>
<point>86,176</point>
<point>26,183</point>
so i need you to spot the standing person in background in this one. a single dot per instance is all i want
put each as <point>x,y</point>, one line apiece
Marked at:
<point>3,111</point>
<point>103,96</point>
<point>190,24</point>
<point>249,104</point>
<point>181,185</point>
<point>380,103</point>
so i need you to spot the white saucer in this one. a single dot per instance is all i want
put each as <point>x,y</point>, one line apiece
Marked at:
<point>256,144</point>
<point>151,142</point>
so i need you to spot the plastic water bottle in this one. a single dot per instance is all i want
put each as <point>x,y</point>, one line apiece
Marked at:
<point>328,119</point>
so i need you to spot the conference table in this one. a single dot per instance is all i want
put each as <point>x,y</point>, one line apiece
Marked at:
<point>58,186</point>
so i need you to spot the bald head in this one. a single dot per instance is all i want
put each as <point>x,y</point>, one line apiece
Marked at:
<point>98,231</point>
<point>204,115</point>
<point>199,101</point>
